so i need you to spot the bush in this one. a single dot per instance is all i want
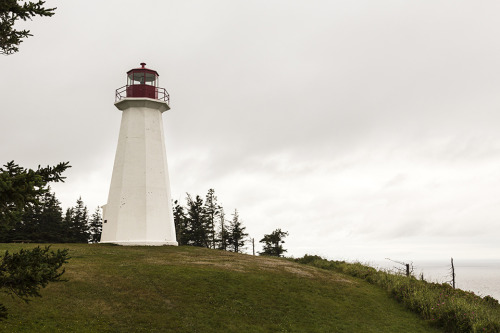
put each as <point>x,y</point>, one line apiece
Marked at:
<point>23,274</point>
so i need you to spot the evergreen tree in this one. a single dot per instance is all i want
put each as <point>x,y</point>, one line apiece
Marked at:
<point>67,228</point>
<point>41,223</point>
<point>10,12</point>
<point>95,226</point>
<point>236,233</point>
<point>23,274</point>
<point>50,220</point>
<point>272,243</point>
<point>26,226</point>
<point>180,221</point>
<point>197,224</point>
<point>211,211</point>
<point>76,221</point>
<point>21,189</point>
<point>224,236</point>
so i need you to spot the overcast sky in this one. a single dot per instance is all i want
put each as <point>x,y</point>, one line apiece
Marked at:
<point>366,129</point>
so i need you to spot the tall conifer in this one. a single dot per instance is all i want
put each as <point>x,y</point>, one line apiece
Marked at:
<point>77,219</point>
<point>180,221</point>
<point>237,234</point>
<point>211,211</point>
<point>95,226</point>
<point>224,236</point>
<point>197,223</point>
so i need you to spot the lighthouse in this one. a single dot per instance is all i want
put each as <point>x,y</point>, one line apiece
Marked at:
<point>139,207</point>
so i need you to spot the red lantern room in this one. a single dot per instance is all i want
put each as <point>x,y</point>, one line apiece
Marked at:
<point>142,82</point>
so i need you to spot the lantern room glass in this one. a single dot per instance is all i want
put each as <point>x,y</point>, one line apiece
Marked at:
<point>142,83</point>
<point>142,77</point>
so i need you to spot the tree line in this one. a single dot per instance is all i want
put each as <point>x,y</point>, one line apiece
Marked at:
<point>205,224</point>
<point>22,274</point>
<point>39,218</point>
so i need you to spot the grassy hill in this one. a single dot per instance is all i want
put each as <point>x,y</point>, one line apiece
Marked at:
<point>188,289</point>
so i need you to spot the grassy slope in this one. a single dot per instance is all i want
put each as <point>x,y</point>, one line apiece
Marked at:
<point>187,289</point>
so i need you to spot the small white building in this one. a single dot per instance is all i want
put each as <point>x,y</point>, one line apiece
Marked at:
<point>139,207</point>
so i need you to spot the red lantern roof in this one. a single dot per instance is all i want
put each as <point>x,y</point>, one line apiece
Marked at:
<point>143,69</point>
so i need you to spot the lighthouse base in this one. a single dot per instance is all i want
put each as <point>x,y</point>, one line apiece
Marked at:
<point>141,243</point>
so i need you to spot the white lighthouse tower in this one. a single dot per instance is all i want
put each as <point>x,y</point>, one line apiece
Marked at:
<point>139,208</point>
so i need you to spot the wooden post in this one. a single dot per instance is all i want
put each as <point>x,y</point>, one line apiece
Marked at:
<point>453,273</point>
<point>253,246</point>
<point>407,269</point>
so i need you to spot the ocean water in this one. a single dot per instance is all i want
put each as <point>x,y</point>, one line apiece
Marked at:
<point>479,276</point>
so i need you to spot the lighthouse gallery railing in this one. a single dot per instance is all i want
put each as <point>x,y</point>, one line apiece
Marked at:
<point>161,94</point>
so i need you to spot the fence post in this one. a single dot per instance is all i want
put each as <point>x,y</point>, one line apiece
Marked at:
<point>453,273</point>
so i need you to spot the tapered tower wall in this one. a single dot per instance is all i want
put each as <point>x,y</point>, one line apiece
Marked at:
<point>139,208</point>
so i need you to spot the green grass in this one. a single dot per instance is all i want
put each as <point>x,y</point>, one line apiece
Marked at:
<point>187,289</point>
<point>454,310</point>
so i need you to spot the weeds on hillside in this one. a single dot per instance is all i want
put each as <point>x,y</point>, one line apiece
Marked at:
<point>454,310</point>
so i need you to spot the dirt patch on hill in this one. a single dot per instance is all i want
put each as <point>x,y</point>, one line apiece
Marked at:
<point>245,263</point>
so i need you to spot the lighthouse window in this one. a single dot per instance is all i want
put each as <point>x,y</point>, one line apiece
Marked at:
<point>150,79</point>
<point>139,78</point>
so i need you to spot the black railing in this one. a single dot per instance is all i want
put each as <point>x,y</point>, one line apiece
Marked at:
<point>160,94</point>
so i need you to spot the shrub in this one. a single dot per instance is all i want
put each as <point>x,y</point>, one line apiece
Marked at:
<point>454,310</point>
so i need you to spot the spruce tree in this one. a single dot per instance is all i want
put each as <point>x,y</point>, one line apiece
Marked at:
<point>237,235</point>
<point>12,11</point>
<point>197,224</point>
<point>272,243</point>
<point>180,221</point>
<point>77,219</point>
<point>67,229</point>
<point>25,272</point>
<point>21,189</point>
<point>41,223</point>
<point>95,226</point>
<point>26,227</point>
<point>223,236</point>
<point>50,220</point>
<point>211,211</point>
